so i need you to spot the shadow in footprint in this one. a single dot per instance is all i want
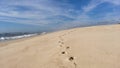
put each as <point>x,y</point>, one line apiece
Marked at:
<point>63,52</point>
<point>71,58</point>
<point>67,47</point>
<point>59,41</point>
<point>60,45</point>
<point>62,42</point>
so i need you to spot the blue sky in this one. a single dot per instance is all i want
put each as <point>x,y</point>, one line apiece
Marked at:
<point>42,15</point>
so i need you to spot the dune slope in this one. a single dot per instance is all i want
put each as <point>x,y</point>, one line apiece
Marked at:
<point>90,47</point>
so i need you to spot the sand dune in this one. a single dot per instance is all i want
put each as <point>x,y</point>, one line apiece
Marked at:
<point>89,47</point>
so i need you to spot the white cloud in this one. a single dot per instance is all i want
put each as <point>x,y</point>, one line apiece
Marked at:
<point>39,11</point>
<point>84,19</point>
<point>115,2</point>
<point>94,3</point>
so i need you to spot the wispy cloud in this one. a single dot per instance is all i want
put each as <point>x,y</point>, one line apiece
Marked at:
<point>115,2</point>
<point>84,17</point>
<point>94,3</point>
<point>37,10</point>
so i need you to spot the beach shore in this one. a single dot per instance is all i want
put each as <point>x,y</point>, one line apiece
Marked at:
<point>88,47</point>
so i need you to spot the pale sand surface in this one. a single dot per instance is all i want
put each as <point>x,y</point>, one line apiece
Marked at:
<point>90,47</point>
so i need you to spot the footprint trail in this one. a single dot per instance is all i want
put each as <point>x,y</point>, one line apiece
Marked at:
<point>66,52</point>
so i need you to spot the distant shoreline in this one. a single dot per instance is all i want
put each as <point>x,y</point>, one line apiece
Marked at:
<point>7,42</point>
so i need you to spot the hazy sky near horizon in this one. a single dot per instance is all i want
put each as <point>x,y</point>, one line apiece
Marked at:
<point>40,15</point>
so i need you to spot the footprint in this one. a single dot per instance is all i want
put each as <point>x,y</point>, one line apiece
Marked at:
<point>60,45</point>
<point>59,41</point>
<point>62,42</point>
<point>63,52</point>
<point>63,34</point>
<point>59,36</point>
<point>71,58</point>
<point>75,65</point>
<point>67,47</point>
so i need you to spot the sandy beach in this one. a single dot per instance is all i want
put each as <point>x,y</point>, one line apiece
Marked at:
<point>88,47</point>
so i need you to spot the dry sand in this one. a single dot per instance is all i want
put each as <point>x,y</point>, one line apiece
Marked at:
<point>90,47</point>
